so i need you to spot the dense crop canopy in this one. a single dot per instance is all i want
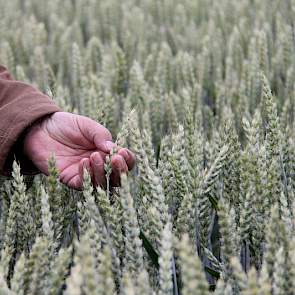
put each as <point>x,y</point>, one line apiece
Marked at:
<point>203,92</point>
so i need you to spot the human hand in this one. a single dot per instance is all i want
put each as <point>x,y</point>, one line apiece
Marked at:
<point>77,143</point>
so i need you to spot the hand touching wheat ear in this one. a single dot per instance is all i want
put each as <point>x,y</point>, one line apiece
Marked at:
<point>78,143</point>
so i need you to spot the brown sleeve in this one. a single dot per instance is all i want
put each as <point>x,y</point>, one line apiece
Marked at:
<point>20,105</point>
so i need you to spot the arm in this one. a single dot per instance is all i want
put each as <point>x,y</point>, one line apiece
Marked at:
<point>20,106</point>
<point>32,128</point>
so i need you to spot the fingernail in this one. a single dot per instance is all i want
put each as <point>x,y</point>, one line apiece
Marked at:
<point>109,145</point>
<point>130,154</point>
<point>124,153</point>
<point>95,159</point>
<point>84,165</point>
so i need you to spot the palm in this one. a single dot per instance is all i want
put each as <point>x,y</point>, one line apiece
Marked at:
<point>77,143</point>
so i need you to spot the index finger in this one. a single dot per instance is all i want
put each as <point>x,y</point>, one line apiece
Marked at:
<point>128,156</point>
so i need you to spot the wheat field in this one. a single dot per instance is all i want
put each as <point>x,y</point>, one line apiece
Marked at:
<point>202,91</point>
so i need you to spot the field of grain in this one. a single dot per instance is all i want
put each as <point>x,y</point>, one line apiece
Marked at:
<point>202,91</point>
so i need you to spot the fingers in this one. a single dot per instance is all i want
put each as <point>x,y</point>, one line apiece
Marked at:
<point>75,182</point>
<point>121,162</point>
<point>102,138</point>
<point>119,166</point>
<point>104,146</point>
<point>128,157</point>
<point>72,175</point>
<point>97,165</point>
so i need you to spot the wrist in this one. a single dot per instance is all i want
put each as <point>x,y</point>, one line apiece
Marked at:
<point>30,133</point>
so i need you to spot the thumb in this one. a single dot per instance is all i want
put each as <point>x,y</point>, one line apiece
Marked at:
<point>104,145</point>
<point>96,133</point>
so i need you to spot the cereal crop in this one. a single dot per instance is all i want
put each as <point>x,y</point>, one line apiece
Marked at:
<point>202,91</point>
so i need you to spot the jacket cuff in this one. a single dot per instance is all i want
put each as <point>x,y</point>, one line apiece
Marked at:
<point>11,140</point>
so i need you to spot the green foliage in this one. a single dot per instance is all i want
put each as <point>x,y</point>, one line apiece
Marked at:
<point>203,93</point>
